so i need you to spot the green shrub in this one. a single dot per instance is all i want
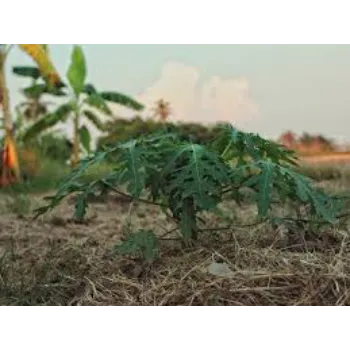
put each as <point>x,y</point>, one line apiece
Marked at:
<point>121,130</point>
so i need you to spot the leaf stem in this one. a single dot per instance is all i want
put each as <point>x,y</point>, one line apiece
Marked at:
<point>113,189</point>
<point>8,49</point>
<point>226,149</point>
<point>76,141</point>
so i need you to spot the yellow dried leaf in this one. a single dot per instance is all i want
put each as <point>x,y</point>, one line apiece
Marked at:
<point>11,153</point>
<point>41,57</point>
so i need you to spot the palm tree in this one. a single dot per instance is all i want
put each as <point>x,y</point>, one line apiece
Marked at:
<point>9,153</point>
<point>162,110</point>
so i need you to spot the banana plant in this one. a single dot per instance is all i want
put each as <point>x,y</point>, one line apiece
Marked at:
<point>34,107</point>
<point>9,157</point>
<point>85,103</point>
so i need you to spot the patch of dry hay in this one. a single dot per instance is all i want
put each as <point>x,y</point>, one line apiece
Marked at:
<point>56,262</point>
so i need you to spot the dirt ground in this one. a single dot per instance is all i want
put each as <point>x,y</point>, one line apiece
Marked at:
<point>55,261</point>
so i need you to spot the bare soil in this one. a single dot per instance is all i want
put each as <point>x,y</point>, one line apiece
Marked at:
<point>56,261</point>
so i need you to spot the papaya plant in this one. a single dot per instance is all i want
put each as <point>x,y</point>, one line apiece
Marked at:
<point>85,101</point>
<point>10,164</point>
<point>186,179</point>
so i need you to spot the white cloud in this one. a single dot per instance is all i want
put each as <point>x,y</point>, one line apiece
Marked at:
<point>217,99</point>
<point>194,100</point>
<point>228,99</point>
<point>177,84</point>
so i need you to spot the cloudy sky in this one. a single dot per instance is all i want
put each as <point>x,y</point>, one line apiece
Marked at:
<point>262,88</point>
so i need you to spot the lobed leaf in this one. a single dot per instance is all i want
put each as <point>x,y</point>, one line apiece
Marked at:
<point>235,145</point>
<point>142,242</point>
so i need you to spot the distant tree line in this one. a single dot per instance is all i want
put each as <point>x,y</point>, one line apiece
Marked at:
<point>120,130</point>
<point>307,143</point>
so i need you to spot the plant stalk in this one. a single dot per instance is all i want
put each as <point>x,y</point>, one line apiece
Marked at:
<point>76,139</point>
<point>223,154</point>
<point>192,213</point>
<point>6,177</point>
<point>4,93</point>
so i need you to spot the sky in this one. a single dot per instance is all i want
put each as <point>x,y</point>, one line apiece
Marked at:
<point>261,88</point>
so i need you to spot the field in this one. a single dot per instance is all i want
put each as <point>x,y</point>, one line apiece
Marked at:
<point>56,261</point>
<point>340,158</point>
<point>187,168</point>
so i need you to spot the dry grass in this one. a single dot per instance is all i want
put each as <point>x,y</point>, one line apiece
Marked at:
<point>327,158</point>
<point>55,261</point>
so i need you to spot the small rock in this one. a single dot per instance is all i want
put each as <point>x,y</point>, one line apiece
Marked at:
<point>220,270</point>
